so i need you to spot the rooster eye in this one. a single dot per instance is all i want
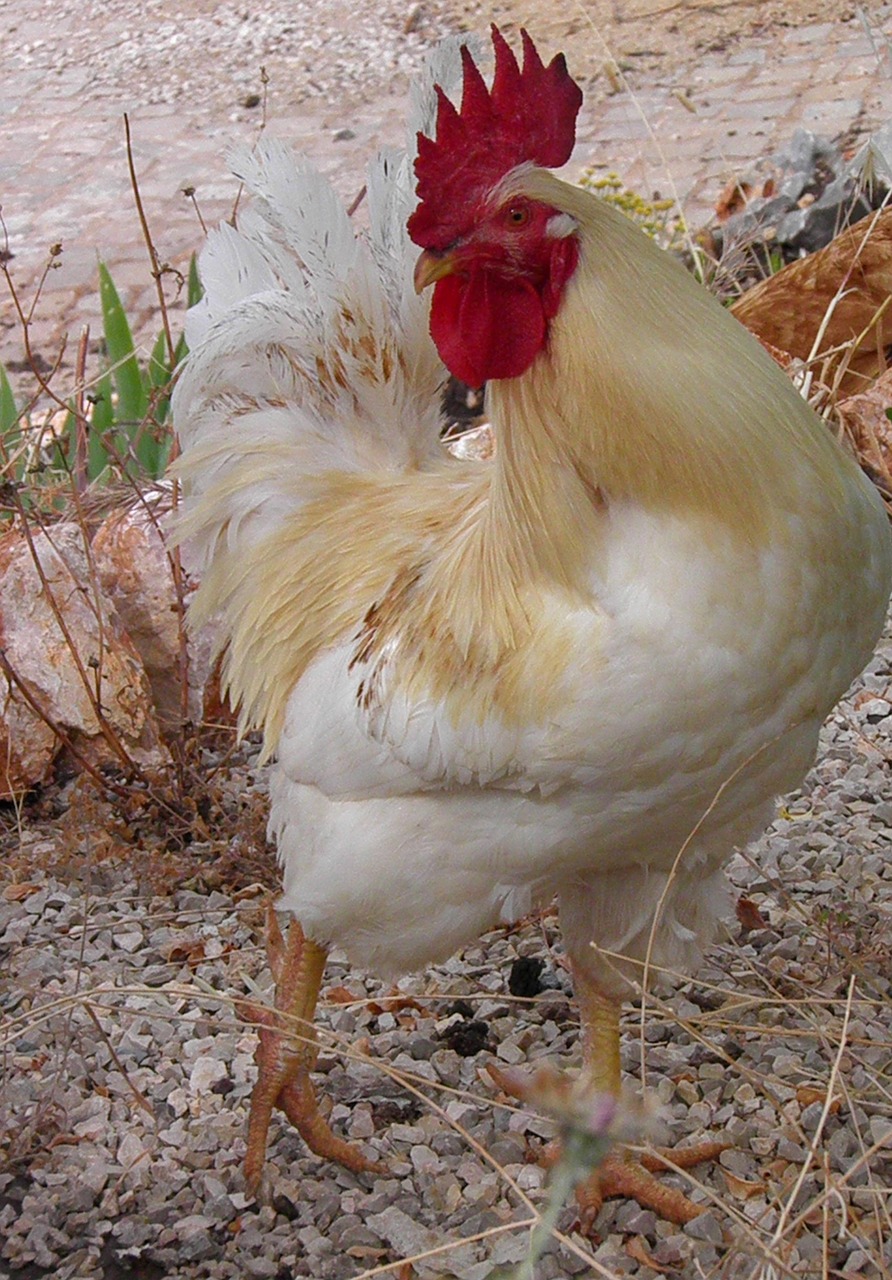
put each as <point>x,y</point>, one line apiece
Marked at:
<point>518,214</point>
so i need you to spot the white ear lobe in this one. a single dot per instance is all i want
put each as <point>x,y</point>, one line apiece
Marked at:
<point>561,225</point>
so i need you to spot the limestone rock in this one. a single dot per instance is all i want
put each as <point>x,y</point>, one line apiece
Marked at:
<point>68,662</point>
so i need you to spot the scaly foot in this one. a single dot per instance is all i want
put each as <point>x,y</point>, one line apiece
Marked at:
<point>286,1054</point>
<point>632,1178</point>
<point>283,1081</point>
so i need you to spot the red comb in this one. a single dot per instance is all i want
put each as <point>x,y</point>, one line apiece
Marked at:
<point>528,116</point>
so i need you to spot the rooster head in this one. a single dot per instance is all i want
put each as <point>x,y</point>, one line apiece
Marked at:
<point>499,260</point>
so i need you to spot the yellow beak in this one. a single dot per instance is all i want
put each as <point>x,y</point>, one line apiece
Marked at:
<point>432,267</point>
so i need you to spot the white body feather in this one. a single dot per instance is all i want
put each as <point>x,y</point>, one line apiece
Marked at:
<point>404,839</point>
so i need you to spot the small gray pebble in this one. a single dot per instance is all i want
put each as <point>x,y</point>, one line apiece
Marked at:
<point>422,1049</point>
<point>705,1227</point>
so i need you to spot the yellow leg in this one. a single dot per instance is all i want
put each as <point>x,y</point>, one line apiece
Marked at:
<point>599,1034</point>
<point>621,1173</point>
<point>286,1054</point>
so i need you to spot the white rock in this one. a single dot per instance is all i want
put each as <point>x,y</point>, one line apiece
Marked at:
<point>205,1072</point>
<point>192,1225</point>
<point>92,1129</point>
<point>128,942</point>
<point>178,1101</point>
<point>881,1130</point>
<point>130,1150</point>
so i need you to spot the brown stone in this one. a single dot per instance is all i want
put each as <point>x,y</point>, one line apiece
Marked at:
<point>136,572</point>
<point>70,672</point>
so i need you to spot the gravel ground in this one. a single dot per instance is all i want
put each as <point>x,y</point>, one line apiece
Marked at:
<point>126,1071</point>
<point>127,1075</point>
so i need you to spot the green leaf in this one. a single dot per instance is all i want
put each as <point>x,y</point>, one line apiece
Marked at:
<point>143,446</point>
<point>195,289</point>
<point>128,379</point>
<point>137,419</point>
<point>101,421</point>
<point>152,449</point>
<point>103,416</point>
<point>182,350</point>
<point>65,447</point>
<point>162,446</point>
<point>194,295</point>
<point>889,414</point>
<point>10,431</point>
<point>160,374</point>
<point>9,414</point>
<point>159,369</point>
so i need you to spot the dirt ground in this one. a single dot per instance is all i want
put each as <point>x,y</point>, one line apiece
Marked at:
<point>651,34</point>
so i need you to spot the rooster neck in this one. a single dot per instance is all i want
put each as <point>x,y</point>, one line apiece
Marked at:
<point>656,395</point>
<point>544,508</point>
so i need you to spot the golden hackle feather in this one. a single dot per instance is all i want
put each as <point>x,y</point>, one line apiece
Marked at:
<point>392,563</point>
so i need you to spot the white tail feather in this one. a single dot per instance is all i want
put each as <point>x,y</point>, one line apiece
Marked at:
<point>310,351</point>
<point>300,209</point>
<point>442,68</point>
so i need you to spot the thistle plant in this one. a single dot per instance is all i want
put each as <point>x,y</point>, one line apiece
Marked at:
<point>589,1123</point>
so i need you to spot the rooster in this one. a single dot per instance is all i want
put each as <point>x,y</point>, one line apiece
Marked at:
<point>585,667</point>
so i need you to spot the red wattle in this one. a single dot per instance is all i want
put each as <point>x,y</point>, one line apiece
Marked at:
<point>486,325</point>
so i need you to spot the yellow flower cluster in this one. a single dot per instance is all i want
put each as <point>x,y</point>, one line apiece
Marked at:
<point>657,218</point>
